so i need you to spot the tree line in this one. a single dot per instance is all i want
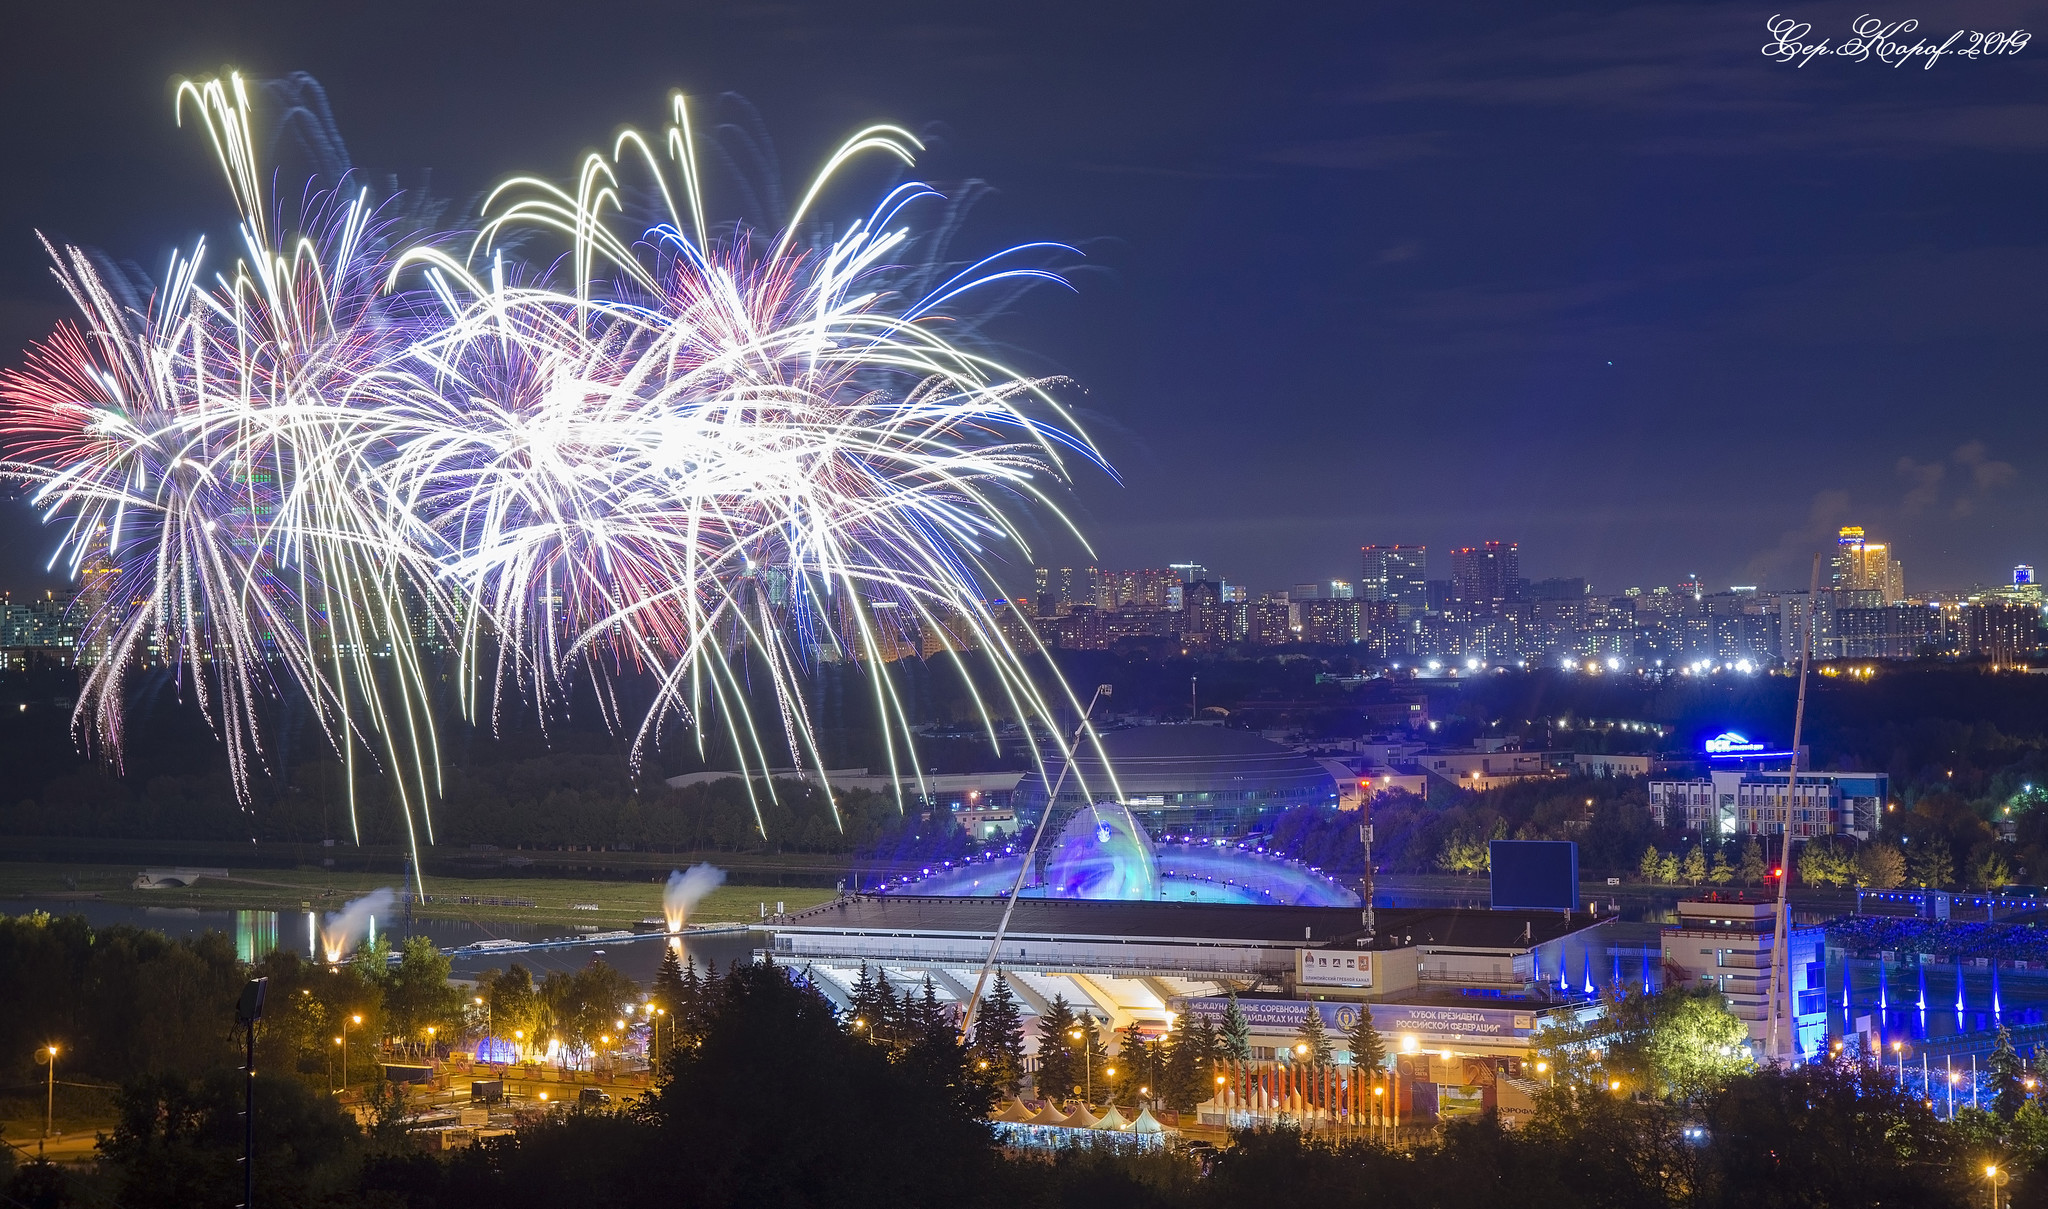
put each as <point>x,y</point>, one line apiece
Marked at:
<point>769,1096</point>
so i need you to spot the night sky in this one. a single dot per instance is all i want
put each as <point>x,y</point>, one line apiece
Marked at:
<point>1609,283</point>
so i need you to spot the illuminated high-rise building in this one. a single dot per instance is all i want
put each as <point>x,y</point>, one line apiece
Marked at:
<point>2024,587</point>
<point>1864,565</point>
<point>1485,577</point>
<point>1396,573</point>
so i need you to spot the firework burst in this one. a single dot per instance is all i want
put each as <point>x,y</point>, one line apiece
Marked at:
<point>715,461</point>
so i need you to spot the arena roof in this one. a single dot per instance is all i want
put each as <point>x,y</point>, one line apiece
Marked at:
<point>1218,764</point>
<point>1078,919</point>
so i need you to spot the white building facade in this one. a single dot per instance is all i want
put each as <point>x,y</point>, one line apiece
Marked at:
<point>1752,802</point>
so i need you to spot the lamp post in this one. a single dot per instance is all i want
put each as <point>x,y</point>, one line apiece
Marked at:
<point>1997,1179</point>
<point>49,1057</point>
<point>336,1075</point>
<point>353,1019</point>
<point>488,1021</point>
<point>1087,1067</point>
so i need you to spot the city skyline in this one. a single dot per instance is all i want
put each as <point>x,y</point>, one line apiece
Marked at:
<point>1851,558</point>
<point>1485,268</point>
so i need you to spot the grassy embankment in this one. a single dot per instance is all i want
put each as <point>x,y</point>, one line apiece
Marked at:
<point>618,903</point>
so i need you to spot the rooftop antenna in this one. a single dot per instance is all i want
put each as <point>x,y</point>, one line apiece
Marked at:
<point>1781,970</point>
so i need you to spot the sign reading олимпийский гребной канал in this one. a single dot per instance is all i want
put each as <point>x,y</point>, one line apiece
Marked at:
<point>1422,1020</point>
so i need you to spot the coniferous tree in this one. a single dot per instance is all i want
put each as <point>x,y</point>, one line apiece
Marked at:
<point>667,997</point>
<point>1136,1066</point>
<point>1312,1040</point>
<point>668,982</point>
<point>1092,1059</point>
<point>1057,1072</point>
<point>999,1036</point>
<point>1368,1048</point>
<point>1178,1082</point>
<point>1208,1043</point>
<point>1236,1034</point>
<point>692,992</point>
<point>932,1047</point>
<point>869,1016</point>
<point>929,1019</point>
<point>889,1010</point>
<point>2006,1069</point>
<point>1189,1054</point>
<point>1721,872</point>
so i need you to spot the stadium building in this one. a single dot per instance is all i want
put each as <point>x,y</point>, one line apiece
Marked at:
<point>1458,994</point>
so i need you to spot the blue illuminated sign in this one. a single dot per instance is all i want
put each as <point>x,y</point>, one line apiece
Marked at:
<point>1729,743</point>
<point>1732,745</point>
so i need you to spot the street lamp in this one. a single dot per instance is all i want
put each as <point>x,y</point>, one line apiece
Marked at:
<point>1087,1066</point>
<point>354,1019</point>
<point>1997,1179</point>
<point>330,1066</point>
<point>49,1057</point>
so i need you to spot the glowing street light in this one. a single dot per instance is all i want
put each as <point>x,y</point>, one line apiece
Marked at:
<point>49,1058</point>
<point>353,1019</point>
